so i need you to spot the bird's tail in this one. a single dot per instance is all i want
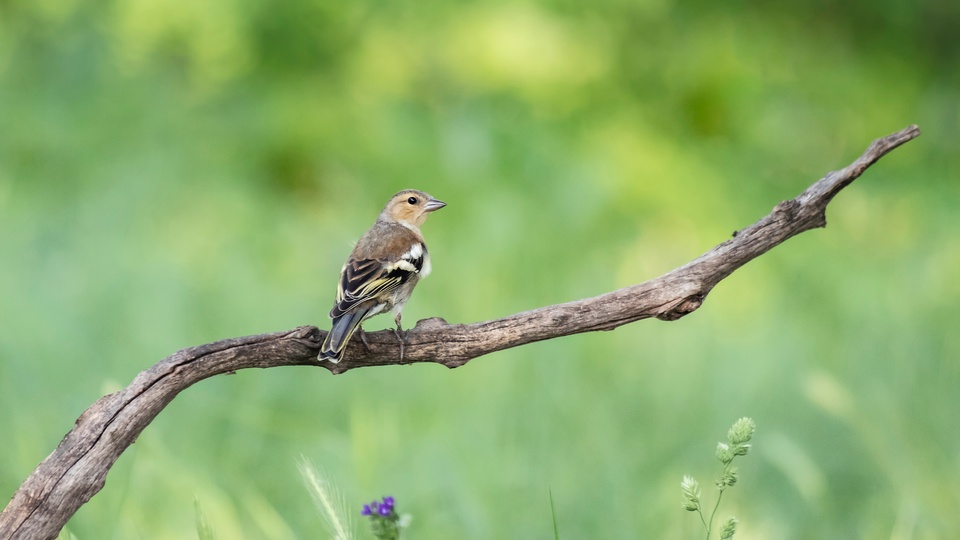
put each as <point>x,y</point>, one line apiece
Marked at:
<point>340,333</point>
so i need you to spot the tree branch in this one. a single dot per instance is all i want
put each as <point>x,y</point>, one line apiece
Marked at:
<point>77,469</point>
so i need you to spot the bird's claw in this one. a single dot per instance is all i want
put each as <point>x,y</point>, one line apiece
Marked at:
<point>363,338</point>
<point>401,335</point>
<point>402,338</point>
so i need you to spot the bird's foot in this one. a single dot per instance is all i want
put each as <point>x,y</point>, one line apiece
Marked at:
<point>401,336</point>
<point>363,338</point>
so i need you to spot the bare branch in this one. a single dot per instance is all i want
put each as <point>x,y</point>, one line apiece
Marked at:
<point>77,469</point>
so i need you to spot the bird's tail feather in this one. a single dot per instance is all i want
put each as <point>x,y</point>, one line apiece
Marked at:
<point>340,333</point>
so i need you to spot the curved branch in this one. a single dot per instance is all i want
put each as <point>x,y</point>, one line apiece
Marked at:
<point>77,469</point>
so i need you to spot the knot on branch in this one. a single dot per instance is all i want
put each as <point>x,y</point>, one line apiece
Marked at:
<point>814,216</point>
<point>682,308</point>
<point>786,210</point>
<point>433,323</point>
<point>311,336</point>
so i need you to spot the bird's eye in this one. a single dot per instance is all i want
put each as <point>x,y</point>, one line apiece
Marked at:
<point>412,200</point>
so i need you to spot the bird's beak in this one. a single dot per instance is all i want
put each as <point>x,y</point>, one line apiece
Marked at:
<point>433,204</point>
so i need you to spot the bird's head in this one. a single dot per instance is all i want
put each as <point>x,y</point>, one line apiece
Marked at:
<point>411,207</point>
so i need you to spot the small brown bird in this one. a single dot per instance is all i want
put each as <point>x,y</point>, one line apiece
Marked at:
<point>382,270</point>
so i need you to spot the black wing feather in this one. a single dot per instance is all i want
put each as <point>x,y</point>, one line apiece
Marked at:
<point>365,279</point>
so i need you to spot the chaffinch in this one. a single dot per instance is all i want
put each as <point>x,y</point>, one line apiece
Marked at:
<point>384,267</point>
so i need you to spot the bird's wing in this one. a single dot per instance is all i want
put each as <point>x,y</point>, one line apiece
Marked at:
<point>366,279</point>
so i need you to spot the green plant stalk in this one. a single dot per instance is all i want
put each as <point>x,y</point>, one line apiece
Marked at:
<point>715,507</point>
<point>553,513</point>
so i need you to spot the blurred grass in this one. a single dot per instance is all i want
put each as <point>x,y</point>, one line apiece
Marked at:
<point>172,174</point>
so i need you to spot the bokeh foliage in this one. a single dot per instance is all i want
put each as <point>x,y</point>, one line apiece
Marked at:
<point>173,173</point>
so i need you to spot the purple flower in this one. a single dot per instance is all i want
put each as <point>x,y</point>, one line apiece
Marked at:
<point>380,510</point>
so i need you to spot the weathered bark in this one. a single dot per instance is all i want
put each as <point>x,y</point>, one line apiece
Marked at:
<point>77,469</point>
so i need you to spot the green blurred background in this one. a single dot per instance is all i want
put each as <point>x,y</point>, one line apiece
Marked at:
<point>173,173</point>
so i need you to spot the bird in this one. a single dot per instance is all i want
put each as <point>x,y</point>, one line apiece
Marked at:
<point>381,272</point>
